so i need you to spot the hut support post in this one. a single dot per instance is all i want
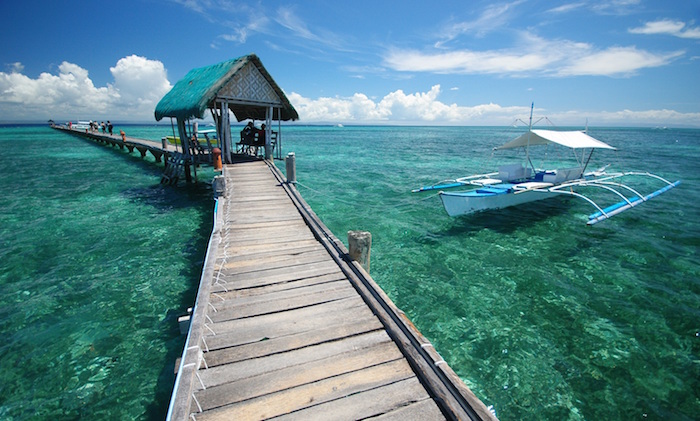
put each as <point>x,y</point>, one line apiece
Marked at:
<point>184,141</point>
<point>226,131</point>
<point>279,133</point>
<point>268,132</point>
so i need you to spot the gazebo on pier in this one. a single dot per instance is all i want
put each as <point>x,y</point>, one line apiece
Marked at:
<point>242,86</point>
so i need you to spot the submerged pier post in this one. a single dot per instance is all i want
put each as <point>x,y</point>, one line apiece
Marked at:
<point>360,245</point>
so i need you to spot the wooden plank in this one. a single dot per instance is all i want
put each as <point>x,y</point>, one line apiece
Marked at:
<point>295,399</point>
<point>236,268</point>
<point>243,331</point>
<point>269,235</point>
<point>281,296</point>
<point>293,302</point>
<point>330,332</point>
<point>244,253</point>
<point>396,397</point>
<point>421,410</point>
<point>271,242</point>
<point>254,367</point>
<point>272,276</point>
<point>299,374</point>
<point>279,224</point>
<point>266,289</point>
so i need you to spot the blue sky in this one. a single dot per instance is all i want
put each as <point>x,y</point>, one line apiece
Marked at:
<point>613,62</point>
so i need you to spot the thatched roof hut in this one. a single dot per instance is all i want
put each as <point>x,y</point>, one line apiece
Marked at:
<point>243,82</point>
<point>241,85</point>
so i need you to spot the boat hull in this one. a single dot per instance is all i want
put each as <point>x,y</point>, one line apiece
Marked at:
<point>465,203</point>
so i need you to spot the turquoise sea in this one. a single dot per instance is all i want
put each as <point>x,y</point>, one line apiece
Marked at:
<point>542,316</point>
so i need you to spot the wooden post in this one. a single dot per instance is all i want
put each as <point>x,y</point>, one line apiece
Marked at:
<point>184,142</point>
<point>268,133</point>
<point>360,245</point>
<point>291,165</point>
<point>219,185</point>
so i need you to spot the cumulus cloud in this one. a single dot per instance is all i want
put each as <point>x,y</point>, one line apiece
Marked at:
<point>667,27</point>
<point>399,107</point>
<point>138,85</point>
<point>425,108</point>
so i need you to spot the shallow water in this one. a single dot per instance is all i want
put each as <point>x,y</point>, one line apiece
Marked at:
<point>541,315</point>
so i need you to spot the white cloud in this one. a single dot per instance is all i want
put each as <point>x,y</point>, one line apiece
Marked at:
<point>667,27</point>
<point>139,81</point>
<point>399,107</point>
<point>138,85</point>
<point>566,8</point>
<point>615,61</point>
<point>536,56</point>
<point>644,118</point>
<point>493,18</point>
<point>425,108</point>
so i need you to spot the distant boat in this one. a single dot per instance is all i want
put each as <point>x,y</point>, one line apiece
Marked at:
<point>516,184</point>
<point>81,125</point>
<point>202,135</point>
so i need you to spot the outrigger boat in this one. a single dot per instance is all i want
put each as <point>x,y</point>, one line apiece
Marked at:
<point>207,134</point>
<point>515,184</point>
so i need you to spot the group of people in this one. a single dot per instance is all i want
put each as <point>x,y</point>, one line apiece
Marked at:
<point>249,132</point>
<point>95,127</point>
<point>253,137</point>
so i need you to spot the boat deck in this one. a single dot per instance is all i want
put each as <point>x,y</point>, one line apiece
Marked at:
<point>285,326</point>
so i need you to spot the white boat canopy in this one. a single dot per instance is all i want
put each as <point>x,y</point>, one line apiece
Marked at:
<point>570,139</point>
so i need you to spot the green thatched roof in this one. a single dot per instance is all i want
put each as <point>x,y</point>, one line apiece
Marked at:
<point>249,90</point>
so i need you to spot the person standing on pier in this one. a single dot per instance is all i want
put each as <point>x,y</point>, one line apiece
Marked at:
<point>109,127</point>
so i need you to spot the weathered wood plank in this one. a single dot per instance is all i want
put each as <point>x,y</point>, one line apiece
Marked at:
<point>294,399</point>
<point>261,263</point>
<point>399,396</point>
<point>419,411</point>
<point>253,367</point>
<point>266,289</point>
<point>269,235</point>
<point>300,374</point>
<point>330,332</point>
<point>251,252</point>
<point>281,225</point>
<point>243,331</point>
<point>277,275</point>
<point>292,302</point>
<point>281,296</point>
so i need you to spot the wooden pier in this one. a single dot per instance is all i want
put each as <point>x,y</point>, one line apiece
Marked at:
<point>286,326</point>
<point>157,149</point>
<point>170,155</point>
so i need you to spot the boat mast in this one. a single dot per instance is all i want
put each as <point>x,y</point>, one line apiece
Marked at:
<point>529,133</point>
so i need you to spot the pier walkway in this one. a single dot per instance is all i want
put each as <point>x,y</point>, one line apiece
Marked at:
<point>170,155</point>
<point>157,149</point>
<point>286,326</point>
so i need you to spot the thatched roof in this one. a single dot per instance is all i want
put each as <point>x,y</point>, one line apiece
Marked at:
<point>243,82</point>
